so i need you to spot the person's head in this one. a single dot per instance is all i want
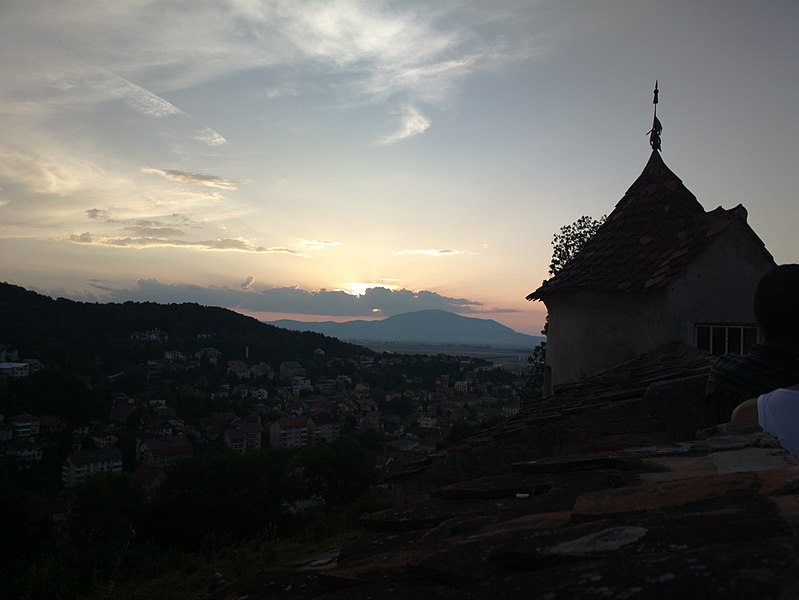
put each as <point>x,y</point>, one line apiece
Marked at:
<point>777,305</point>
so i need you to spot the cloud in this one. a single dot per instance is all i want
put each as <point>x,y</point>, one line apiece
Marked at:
<point>152,232</point>
<point>290,299</point>
<point>169,231</point>
<point>419,52</point>
<point>210,137</point>
<point>413,123</point>
<point>89,84</point>
<point>159,225</point>
<point>147,241</point>
<point>83,238</point>
<point>368,51</point>
<point>280,91</point>
<point>40,173</point>
<point>97,213</point>
<point>433,252</point>
<point>199,194</point>
<point>212,181</point>
<point>138,98</point>
<point>317,244</point>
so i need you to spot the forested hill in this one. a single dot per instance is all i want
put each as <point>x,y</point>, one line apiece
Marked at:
<point>52,330</point>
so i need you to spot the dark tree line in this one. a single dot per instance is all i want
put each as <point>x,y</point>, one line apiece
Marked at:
<point>115,532</point>
<point>83,336</point>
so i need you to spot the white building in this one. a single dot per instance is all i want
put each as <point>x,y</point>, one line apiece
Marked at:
<point>80,465</point>
<point>25,425</point>
<point>17,370</point>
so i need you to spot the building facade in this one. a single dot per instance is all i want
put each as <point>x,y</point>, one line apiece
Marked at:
<point>164,452</point>
<point>659,270</point>
<point>80,465</point>
<point>291,432</point>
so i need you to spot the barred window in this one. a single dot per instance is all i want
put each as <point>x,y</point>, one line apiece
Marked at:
<point>721,339</point>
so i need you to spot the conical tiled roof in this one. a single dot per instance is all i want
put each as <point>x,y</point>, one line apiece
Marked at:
<point>655,231</point>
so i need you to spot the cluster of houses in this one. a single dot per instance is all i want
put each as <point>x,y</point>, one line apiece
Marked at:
<point>14,367</point>
<point>286,408</point>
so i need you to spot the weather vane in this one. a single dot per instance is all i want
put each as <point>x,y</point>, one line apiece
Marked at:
<point>654,133</point>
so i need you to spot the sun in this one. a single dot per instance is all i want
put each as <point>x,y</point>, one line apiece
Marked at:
<point>358,288</point>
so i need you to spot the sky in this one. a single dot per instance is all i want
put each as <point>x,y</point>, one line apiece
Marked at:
<point>338,160</point>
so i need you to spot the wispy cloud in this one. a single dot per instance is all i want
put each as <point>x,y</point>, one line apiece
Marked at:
<point>210,137</point>
<point>370,52</point>
<point>433,252</point>
<point>212,181</point>
<point>413,123</point>
<point>153,232</point>
<point>281,91</point>
<point>224,244</point>
<point>89,84</point>
<point>170,230</point>
<point>317,244</point>
<point>136,96</point>
<point>156,221</point>
<point>198,194</point>
<point>248,283</point>
<point>40,173</point>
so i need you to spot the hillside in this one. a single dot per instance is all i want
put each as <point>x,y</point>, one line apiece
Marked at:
<point>424,327</point>
<point>56,330</point>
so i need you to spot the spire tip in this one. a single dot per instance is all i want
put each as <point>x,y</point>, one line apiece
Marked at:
<point>654,133</point>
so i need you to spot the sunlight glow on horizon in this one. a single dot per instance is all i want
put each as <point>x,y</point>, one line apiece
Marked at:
<point>359,288</point>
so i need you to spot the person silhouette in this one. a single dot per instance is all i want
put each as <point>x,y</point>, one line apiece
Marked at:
<point>771,364</point>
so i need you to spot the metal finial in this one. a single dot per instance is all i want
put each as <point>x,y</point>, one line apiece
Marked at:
<point>654,133</point>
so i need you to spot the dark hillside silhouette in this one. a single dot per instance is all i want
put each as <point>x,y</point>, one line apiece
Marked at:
<point>51,330</point>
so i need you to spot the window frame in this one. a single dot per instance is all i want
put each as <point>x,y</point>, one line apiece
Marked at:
<point>748,334</point>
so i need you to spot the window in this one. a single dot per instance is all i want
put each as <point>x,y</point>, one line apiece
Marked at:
<point>723,339</point>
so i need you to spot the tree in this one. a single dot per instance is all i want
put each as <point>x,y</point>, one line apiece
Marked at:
<point>535,381</point>
<point>224,498</point>
<point>340,471</point>
<point>107,509</point>
<point>571,239</point>
<point>568,242</point>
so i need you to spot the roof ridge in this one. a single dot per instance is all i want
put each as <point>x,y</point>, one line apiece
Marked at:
<point>655,230</point>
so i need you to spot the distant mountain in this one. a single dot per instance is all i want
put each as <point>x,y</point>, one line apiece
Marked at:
<point>421,327</point>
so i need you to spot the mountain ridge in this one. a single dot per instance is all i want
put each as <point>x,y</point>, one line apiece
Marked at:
<point>424,327</point>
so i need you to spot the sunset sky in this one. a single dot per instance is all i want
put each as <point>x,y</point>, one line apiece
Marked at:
<point>341,160</point>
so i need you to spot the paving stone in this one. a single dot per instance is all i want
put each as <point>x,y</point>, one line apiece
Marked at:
<point>663,496</point>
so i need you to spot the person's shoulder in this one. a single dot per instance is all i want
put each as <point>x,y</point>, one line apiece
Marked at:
<point>780,400</point>
<point>783,393</point>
